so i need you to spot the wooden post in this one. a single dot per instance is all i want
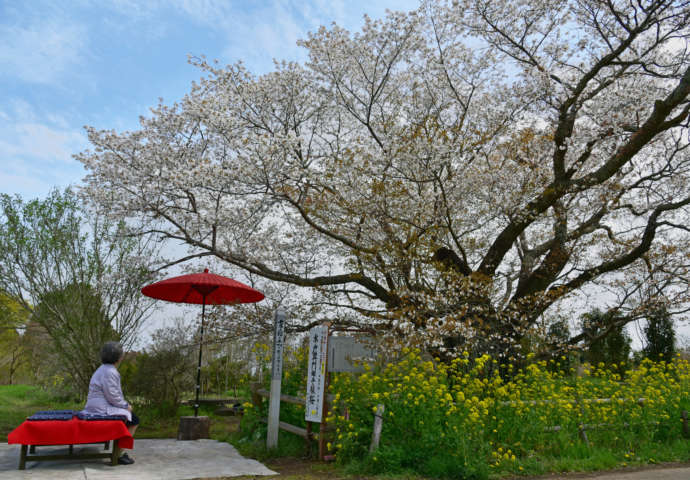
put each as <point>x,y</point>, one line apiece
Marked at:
<point>322,426</point>
<point>324,412</point>
<point>684,418</point>
<point>115,454</point>
<point>22,457</point>
<point>581,426</point>
<point>257,400</point>
<point>32,448</point>
<point>308,438</point>
<point>378,425</point>
<point>276,376</point>
<point>583,434</point>
<point>194,428</point>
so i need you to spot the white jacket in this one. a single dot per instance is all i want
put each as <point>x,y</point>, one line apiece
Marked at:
<point>105,393</point>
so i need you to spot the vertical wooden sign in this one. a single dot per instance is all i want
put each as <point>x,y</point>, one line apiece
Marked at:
<point>276,377</point>
<point>316,373</point>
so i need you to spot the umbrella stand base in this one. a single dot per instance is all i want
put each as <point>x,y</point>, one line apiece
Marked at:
<point>193,428</point>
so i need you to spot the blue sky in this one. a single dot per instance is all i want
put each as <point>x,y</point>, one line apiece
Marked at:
<point>66,64</point>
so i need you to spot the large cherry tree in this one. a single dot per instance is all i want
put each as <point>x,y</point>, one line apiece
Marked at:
<point>448,175</point>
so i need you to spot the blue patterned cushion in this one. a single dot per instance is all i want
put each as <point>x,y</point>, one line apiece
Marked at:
<point>52,415</point>
<point>92,416</point>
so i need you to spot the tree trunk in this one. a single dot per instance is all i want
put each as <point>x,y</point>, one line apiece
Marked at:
<point>193,428</point>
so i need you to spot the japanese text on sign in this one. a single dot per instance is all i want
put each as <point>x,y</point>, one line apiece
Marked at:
<point>316,373</point>
<point>278,344</point>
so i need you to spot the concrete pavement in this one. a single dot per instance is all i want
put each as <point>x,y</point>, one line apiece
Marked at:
<point>164,459</point>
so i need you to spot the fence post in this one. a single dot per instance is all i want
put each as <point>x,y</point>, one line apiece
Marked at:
<point>581,425</point>
<point>583,434</point>
<point>308,439</point>
<point>256,398</point>
<point>378,425</point>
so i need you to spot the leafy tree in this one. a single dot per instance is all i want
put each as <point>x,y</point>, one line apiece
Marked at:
<point>660,336</point>
<point>77,328</point>
<point>77,274</point>
<point>447,175</point>
<point>608,342</point>
<point>13,352</point>
<point>46,367</point>
<point>227,364</point>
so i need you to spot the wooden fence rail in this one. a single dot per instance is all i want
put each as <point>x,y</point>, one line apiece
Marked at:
<point>639,401</point>
<point>258,394</point>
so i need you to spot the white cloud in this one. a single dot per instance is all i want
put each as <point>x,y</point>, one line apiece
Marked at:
<point>258,31</point>
<point>45,142</point>
<point>42,50</point>
<point>133,8</point>
<point>35,151</point>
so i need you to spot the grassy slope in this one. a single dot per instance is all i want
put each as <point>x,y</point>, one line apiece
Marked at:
<point>20,401</point>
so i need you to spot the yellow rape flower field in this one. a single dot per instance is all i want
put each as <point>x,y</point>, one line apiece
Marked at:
<point>472,419</point>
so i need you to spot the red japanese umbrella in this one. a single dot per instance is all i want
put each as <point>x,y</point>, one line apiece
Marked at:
<point>205,289</point>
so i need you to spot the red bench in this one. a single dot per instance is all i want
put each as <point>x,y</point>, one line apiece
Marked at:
<point>70,432</point>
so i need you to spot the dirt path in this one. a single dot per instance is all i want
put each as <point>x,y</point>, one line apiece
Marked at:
<point>296,469</point>
<point>669,471</point>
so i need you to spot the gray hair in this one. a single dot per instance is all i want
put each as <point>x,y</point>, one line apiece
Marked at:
<point>111,352</point>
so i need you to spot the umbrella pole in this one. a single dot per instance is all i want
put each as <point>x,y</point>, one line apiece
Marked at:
<point>198,368</point>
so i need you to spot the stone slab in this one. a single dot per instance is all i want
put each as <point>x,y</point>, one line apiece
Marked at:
<point>164,459</point>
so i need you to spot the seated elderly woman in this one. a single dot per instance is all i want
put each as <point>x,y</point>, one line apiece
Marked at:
<point>105,392</point>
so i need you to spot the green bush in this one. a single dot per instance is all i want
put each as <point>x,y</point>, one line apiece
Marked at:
<point>159,376</point>
<point>465,420</point>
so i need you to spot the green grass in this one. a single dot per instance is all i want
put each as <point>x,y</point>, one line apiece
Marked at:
<point>157,424</point>
<point>254,445</point>
<point>20,401</point>
<point>581,458</point>
<point>17,402</point>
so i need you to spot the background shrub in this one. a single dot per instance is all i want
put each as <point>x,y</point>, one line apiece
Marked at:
<point>159,376</point>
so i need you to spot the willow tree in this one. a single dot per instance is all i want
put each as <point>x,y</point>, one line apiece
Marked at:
<point>447,174</point>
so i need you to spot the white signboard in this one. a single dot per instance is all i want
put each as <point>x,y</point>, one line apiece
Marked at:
<point>349,354</point>
<point>316,373</point>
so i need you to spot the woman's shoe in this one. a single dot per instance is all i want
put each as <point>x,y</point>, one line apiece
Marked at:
<point>125,460</point>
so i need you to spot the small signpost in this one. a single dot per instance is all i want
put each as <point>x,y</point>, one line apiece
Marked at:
<point>317,382</point>
<point>316,373</point>
<point>276,376</point>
